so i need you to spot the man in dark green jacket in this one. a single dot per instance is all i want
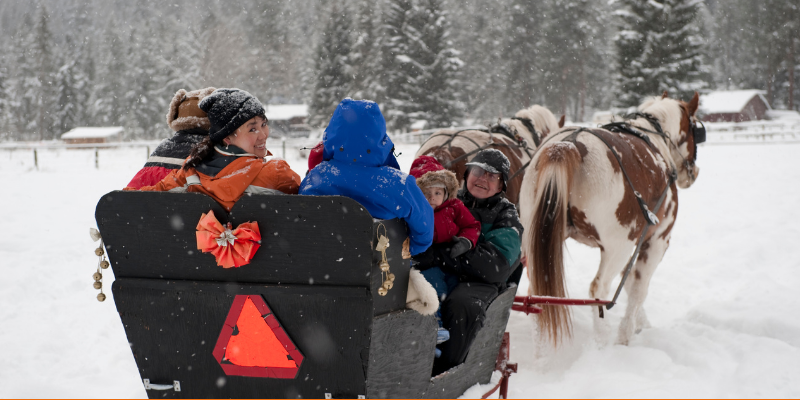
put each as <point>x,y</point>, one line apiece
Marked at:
<point>487,268</point>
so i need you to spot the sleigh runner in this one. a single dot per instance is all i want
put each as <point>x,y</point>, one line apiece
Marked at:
<point>305,317</point>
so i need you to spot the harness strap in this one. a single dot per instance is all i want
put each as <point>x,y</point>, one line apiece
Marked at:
<point>635,254</point>
<point>537,138</point>
<point>495,129</point>
<point>649,216</point>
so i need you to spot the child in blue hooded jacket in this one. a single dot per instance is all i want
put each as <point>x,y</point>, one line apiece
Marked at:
<point>358,163</point>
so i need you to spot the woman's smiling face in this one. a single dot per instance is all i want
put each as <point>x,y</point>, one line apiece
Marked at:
<point>483,184</point>
<point>251,137</point>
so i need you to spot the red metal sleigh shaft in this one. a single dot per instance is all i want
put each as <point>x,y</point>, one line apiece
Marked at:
<point>531,304</point>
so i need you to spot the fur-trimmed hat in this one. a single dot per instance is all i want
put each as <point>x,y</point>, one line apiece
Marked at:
<point>228,109</point>
<point>430,173</point>
<point>184,112</point>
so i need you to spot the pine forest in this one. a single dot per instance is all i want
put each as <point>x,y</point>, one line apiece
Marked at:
<point>69,63</point>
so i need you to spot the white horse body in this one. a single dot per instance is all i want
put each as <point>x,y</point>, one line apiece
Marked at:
<point>578,184</point>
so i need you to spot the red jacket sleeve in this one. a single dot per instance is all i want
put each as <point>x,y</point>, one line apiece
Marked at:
<point>148,176</point>
<point>469,228</point>
<point>175,178</point>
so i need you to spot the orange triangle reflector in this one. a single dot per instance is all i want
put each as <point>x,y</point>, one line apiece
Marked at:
<point>253,343</point>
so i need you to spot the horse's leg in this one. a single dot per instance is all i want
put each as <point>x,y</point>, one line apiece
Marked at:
<point>612,260</point>
<point>637,284</point>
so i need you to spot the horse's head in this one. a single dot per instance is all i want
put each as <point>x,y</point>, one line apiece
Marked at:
<point>533,124</point>
<point>678,122</point>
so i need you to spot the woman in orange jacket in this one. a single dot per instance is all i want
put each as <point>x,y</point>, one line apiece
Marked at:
<point>231,160</point>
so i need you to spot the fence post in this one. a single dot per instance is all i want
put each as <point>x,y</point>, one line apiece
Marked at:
<point>36,159</point>
<point>96,158</point>
<point>148,153</point>
<point>283,144</point>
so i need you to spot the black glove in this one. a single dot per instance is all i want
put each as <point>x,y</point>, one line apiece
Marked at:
<point>423,261</point>
<point>460,246</point>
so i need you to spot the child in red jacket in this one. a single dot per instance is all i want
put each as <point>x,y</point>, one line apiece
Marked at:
<point>452,222</point>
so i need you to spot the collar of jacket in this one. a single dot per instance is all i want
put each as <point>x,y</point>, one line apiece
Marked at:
<point>231,150</point>
<point>194,135</point>
<point>220,158</point>
<point>472,202</point>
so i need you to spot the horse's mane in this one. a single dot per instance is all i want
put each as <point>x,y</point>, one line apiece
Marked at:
<point>542,118</point>
<point>668,111</point>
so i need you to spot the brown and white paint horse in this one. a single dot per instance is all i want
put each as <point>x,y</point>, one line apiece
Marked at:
<point>453,148</point>
<point>577,189</point>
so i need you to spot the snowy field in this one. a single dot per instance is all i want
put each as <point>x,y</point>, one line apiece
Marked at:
<point>720,303</point>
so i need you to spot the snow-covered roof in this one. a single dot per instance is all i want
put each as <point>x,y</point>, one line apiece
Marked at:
<point>419,124</point>
<point>283,112</point>
<point>85,132</point>
<point>728,101</point>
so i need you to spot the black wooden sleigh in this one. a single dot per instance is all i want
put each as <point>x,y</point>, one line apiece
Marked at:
<point>314,281</point>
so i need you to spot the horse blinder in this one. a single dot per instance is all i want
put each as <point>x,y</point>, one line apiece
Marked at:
<point>699,132</point>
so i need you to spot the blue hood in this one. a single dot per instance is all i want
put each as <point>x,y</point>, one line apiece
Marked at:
<point>358,163</point>
<point>356,134</point>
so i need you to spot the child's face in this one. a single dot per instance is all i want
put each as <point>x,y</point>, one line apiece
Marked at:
<point>435,196</point>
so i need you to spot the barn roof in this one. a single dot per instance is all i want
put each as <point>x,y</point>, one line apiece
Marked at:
<point>85,132</point>
<point>729,101</point>
<point>284,112</point>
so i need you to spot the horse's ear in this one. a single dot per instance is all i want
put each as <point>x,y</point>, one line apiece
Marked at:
<point>561,121</point>
<point>693,104</point>
<point>664,95</point>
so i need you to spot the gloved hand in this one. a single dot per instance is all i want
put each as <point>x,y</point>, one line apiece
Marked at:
<point>423,261</point>
<point>460,246</point>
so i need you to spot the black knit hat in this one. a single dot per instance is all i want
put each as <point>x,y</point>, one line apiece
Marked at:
<point>228,109</point>
<point>491,160</point>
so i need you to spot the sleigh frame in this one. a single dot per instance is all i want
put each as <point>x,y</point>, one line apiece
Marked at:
<point>318,274</point>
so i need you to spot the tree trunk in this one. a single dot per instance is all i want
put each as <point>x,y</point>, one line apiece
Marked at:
<point>791,74</point>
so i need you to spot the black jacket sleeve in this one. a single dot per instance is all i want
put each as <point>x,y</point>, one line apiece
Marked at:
<point>482,263</point>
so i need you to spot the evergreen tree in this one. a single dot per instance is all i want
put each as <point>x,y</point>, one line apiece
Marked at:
<point>394,74</point>
<point>27,86</point>
<point>660,47</point>
<point>573,55</point>
<point>480,29</point>
<point>110,88</point>
<point>67,112</point>
<point>365,54</point>
<point>4,103</point>
<point>431,92</point>
<point>45,63</point>
<point>334,74</point>
<point>525,39</point>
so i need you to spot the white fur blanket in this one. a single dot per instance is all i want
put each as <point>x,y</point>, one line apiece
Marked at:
<point>421,295</point>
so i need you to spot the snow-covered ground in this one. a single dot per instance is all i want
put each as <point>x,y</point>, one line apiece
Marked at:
<point>720,304</point>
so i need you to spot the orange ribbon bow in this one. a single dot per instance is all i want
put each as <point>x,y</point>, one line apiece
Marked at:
<point>231,247</point>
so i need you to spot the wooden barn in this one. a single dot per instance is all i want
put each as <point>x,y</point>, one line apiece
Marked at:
<point>288,119</point>
<point>83,134</point>
<point>734,106</point>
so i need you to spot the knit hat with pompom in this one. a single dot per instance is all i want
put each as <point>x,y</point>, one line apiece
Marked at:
<point>228,109</point>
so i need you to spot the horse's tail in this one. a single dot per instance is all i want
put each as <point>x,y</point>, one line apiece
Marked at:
<point>546,230</point>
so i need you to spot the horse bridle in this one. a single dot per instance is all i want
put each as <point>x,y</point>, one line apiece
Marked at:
<point>513,134</point>
<point>498,128</point>
<point>698,134</point>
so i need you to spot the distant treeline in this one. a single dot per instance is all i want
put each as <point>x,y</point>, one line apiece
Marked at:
<point>67,63</point>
